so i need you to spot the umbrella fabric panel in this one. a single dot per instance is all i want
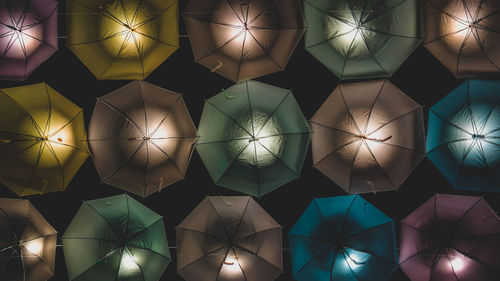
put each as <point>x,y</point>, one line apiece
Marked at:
<point>243,40</point>
<point>368,136</point>
<point>28,242</point>
<point>362,39</point>
<point>29,36</point>
<point>462,136</point>
<point>123,41</point>
<point>464,36</point>
<point>250,145</point>
<point>43,134</point>
<point>142,138</point>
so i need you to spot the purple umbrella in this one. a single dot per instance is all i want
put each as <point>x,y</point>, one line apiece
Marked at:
<point>451,238</point>
<point>28,36</point>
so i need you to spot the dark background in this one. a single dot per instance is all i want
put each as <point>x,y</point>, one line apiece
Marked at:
<point>421,77</point>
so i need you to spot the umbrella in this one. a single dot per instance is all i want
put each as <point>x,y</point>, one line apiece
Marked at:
<point>42,139</point>
<point>244,39</point>
<point>27,242</point>
<point>362,38</point>
<point>230,239</point>
<point>451,237</point>
<point>368,137</point>
<point>142,138</point>
<point>28,36</point>
<point>118,39</point>
<point>253,138</point>
<point>343,238</point>
<point>463,136</point>
<point>464,35</point>
<point>115,238</point>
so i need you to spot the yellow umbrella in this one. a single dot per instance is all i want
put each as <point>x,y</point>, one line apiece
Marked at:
<point>42,139</point>
<point>118,39</point>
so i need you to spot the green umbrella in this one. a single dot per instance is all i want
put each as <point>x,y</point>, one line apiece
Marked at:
<point>362,38</point>
<point>116,238</point>
<point>253,138</point>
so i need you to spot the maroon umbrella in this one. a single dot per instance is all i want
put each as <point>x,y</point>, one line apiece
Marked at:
<point>28,36</point>
<point>451,238</point>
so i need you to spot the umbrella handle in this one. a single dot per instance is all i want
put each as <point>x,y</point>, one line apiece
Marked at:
<point>219,65</point>
<point>160,185</point>
<point>45,184</point>
<point>226,201</point>
<point>5,141</point>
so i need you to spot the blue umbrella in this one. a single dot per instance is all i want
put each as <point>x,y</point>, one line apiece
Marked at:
<point>343,238</point>
<point>463,138</point>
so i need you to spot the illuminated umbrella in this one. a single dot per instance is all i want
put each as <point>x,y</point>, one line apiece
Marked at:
<point>343,238</point>
<point>42,139</point>
<point>244,39</point>
<point>118,39</point>
<point>464,35</point>
<point>115,238</point>
<point>253,138</point>
<point>27,243</point>
<point>362,39</point>
<point>230,239</point>
<point>28,36</point>
<point>368,137</point>
<point>463,136</point>
<point>451,238</point>
<point>142,138</point>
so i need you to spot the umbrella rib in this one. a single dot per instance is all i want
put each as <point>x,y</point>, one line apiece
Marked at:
<point>335,150</point>
<point>49,118</point>
<point>240,64</point>
<point>141,59</point>
<point>104,218</point>
<point>366,19</point>
<point>344,220</point>
<point>348,109</point>
<point>188,15</point>
<point>273,112</point>
<point>125,14</point>
<point>416,254</point>
<point>312,258</point>
<point>374,102</point>
<point>107,14</point>
<point>59,165</point>
<point>220,219</point>
<point>241,221</point>
<point>115,58</point>
<point>372,254</point>
<point>23,150</point>
<point>30,137</point>
<point>467,35</point>
<point>257,170</point>
<point>249,105</point>
<point>124,163</point>
<point>334,129</point>
<point>446,13</point>
<point>481,46</point>
<point>381,168</point>
<point>284,134</point>
<point>39,156</point>
<point>352,165</point>
<point>322,217</point>
<point>161,13</point>
<point>113,35</point>
<point>220,47</point>
<point>166,115</point>
<point>164,152</point>
<point>37,127</point>
<point>344,252</point>
<point>232,119</point>
<point>223,141</point>
<point>276,156</point>
<point>146,178</point>
<point>257,255</point>
<point>462,163</point>
<point>404,148</point>
<point>202,257</point>
<point>88,238</point>
<point>457,224</point>
<point>395,119</point>
<point>222,264</point>
<point>149,250</point>
<point>123,115</point>
<point>477,236</point>
<point>476,260</point>
<point>155,39</point>
<point>481,131</point>
<point>347,55</point>
<point>449,123</point>
<point>219,239</point>
<point>372,54</point>
<point>367,229</point>
<point>255,234</point>
<point>310,238</point>
<point>234,11</point>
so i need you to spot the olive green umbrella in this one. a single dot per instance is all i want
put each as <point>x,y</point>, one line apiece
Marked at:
<point>116,238</point>
<point>118,39</point>
<point>362,38</point>
<point>253,138</point>
<point>42,139</point>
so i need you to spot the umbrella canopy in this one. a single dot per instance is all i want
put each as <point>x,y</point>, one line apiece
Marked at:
<point>141,137</point>
<point>118,39</point>
<point>451,238</point>
<point>343,238</point>
<point>362,38</point>
<point>28,36</point>
<point>244,39</point>
<point>27,242</point>
<point>230,239</point>
<point>464,35</point>
<point>115,238</point>
<point>42,139</point>
<point>253,138</point>
<point>368,137</point>
<point>463,136</point>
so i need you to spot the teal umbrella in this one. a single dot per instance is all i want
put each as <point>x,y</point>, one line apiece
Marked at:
<point>116,238</point>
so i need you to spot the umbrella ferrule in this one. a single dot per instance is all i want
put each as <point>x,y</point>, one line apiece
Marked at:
<point>478,137</point>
